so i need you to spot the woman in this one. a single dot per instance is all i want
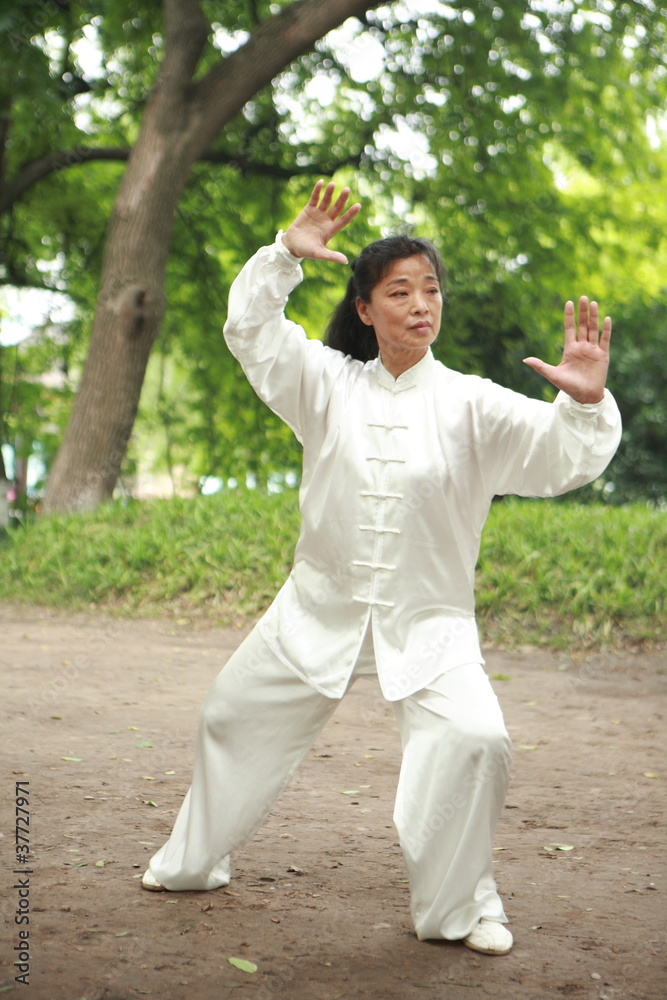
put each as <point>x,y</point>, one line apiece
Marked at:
<point>401,459</point>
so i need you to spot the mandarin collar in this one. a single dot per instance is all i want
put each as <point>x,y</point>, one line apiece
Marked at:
<point>416,375</point>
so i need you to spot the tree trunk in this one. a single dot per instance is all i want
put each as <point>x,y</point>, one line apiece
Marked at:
<point>180,122</point>
<point>127,320</point>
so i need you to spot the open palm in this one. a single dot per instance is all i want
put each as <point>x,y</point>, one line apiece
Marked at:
<point>315,225</point>
<point>582,372</point>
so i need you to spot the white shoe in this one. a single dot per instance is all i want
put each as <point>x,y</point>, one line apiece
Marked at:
<point>148,881</point>
<point>490,937</point>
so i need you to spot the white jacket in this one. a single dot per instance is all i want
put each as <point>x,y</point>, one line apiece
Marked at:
<point>398,477</point>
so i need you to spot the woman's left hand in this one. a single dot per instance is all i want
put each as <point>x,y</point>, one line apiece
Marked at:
<point>582,372</point>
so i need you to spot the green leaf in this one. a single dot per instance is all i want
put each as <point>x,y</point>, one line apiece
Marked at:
<point>243,964</point>
<point>75,760</point>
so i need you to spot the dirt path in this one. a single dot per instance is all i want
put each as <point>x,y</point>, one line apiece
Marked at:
<point>319,899</point>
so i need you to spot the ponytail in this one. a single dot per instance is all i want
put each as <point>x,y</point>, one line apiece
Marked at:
<point>346,332</point>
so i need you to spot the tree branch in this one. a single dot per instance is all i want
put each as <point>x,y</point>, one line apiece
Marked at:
<point>63,159</point>
<point>222,92</point>
<point>37,170</point>
<point>185,33</point>
<point>248,166</point>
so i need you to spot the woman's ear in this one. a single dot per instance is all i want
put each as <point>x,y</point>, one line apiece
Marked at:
<point>363,311</point>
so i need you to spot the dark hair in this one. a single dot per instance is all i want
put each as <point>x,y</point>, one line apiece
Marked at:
<point>346,332</point>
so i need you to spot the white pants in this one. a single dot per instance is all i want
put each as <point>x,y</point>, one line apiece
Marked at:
<point>259,721</point>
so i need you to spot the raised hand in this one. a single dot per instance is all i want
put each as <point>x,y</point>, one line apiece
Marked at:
<point>314,226</point>
<point>582,372</point>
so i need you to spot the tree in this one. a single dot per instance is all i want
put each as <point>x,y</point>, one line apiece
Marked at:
<point>489,90</point>
<point>182,117</point>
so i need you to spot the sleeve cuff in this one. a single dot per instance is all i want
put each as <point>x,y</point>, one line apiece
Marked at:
<point>584,410</point>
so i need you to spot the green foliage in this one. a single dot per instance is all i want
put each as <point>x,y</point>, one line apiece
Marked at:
<point>553,574</point>
<point>638,380</point>
<point>511,133</point>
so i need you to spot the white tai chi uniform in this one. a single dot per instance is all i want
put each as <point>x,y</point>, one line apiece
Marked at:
<point>398,477</point>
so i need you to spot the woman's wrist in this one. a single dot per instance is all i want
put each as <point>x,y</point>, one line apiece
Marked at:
<point>287,243</point>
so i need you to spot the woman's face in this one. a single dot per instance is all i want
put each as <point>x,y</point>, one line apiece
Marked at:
<point>405,311</point>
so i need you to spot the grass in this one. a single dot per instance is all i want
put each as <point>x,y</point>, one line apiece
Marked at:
<point>551,574</point>
<point>564,573</point>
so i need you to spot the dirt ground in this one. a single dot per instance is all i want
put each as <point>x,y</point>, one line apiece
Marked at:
<point>99,716</point>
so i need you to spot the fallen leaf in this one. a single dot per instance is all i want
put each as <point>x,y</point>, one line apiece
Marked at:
<point>500,677</point>
<point>75,760</point>
<point>527,746</point>
<point>149,746</point>
<point>650,774</point>
<point>242,964</point>
<point>149,802</point>
<point>135,729</point>
<point>560,847</point>
<point>170,772</point>
<point>350,792</point>
<point>100,864</point>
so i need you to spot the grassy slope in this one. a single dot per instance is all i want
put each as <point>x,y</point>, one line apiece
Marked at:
<point>549,573</point>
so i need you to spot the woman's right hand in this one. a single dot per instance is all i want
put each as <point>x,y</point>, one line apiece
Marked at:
<point>315,225</point>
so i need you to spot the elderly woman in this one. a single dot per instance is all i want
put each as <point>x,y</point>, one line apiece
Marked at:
<point>401,459</point>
